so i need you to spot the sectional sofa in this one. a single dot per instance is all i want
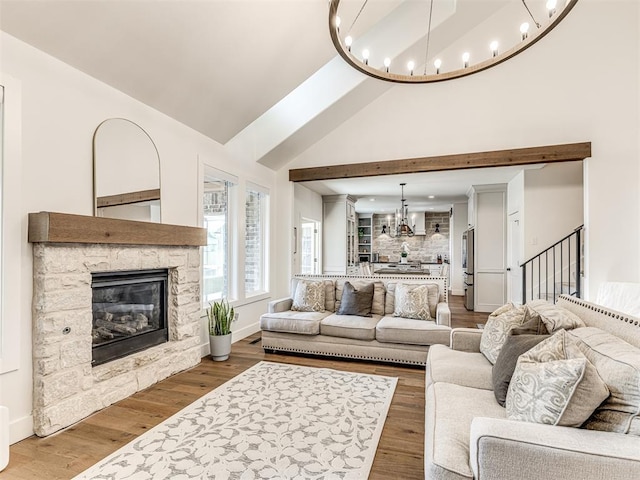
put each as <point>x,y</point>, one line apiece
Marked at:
<point>383,336</point>
<point>468,435</point>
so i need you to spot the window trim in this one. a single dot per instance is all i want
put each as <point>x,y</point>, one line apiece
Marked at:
<point>265,209</point>
<point>11,230</point>
<point>206,170</point>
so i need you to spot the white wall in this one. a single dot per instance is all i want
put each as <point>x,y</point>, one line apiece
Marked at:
<point>553,197</point>
<point>61,107</point>
<point>569,87</point>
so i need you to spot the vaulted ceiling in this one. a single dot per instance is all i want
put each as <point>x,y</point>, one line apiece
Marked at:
<point>258,76</point>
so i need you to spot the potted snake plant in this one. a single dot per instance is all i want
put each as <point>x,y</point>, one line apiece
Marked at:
<point>220,315</point>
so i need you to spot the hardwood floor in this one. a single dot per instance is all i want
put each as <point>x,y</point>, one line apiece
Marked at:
<point>71,451</point>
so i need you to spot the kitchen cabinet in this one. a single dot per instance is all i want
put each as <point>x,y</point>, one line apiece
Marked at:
<point>339,245</point>
<point>489,218</point>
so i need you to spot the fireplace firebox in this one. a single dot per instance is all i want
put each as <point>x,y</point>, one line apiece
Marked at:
<point>129,312</point>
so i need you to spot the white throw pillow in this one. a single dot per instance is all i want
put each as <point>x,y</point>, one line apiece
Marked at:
<point>553,316</point>
<point>309,296</point>
<point>497,329</point>
<point>412,301</point>
<point>555,384</point>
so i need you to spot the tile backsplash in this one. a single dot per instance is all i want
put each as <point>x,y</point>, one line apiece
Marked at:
<point>422,248</point>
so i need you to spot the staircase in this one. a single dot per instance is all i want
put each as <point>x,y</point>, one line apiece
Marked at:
<point>555,271</point>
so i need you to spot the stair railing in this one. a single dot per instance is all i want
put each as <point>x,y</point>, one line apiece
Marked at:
<point>554,271</point>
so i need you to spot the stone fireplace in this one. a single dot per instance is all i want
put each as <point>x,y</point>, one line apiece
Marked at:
<point>68,251</point>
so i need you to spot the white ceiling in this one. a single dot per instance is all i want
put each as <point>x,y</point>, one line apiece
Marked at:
<point>223,66</point>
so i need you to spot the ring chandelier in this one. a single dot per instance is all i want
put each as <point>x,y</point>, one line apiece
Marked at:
<point>343,41</point>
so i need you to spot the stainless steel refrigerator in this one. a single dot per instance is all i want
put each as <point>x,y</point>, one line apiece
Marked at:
<point>467,268</point>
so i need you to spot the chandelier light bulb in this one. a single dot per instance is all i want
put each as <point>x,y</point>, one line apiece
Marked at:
<point>348,41</point>
<point>365,56</point>
<point>338,23</point>
<point>437,64</point>
<point>524,30</point>
<point>465,59</point>
<point>494,47</point>
<point>387,63</point>
<point>411,65</point>
<point>551,7</point>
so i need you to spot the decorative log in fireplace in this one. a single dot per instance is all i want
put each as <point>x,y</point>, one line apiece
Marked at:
<point>129,312</point>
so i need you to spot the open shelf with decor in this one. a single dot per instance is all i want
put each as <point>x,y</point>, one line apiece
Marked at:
<point>365,225</point>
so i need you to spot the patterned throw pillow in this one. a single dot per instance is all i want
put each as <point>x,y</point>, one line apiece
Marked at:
<point>497,328</point>
<point>555,384</point>
<point>412,301</point>
<point>309,296</point>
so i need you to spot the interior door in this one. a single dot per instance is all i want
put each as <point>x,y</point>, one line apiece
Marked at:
<point>309,247</point>
<point>514,246</point>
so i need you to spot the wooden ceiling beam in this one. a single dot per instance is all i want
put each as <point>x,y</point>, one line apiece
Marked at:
<point>498,158</point>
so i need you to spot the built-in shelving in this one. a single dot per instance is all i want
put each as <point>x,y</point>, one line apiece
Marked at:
<point>365,225</point>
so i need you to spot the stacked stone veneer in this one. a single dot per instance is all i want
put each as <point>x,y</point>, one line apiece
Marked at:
<point>66,387</point>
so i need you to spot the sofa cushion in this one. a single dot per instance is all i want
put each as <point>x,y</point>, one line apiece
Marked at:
<point>497,328</point>
<point>433,296</point>
<point>412,301</point>
<point>555,384</point>
<point>329,292</point>
<point>356,301</point>
<point>468,369</point>
<point>502,371</point>
<point>411,331</point>
<point>618,364</point>
<point>379,291</point>
<point>448,415</point>
<point>553,316</point>
<point>350,326</point>
<point>309,296</point>
<point>305,323</point>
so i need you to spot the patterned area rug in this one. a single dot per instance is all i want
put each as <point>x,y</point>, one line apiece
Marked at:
<point>272,421</point>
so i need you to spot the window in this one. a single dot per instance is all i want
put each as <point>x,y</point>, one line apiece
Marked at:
<point>217,204</point>
<point>256,239</point>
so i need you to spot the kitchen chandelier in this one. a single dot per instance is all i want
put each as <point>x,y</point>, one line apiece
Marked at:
<point>346,44</point>
<point>402,227</point>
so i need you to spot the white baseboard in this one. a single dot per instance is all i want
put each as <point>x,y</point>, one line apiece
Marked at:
<point>457,293</point>
<point>20,429</point>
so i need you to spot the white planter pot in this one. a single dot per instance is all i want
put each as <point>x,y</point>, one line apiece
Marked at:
<point>220,347</point>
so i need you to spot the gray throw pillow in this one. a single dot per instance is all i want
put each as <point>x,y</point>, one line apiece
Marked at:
<point>505,365</point>
<point>356,302</point>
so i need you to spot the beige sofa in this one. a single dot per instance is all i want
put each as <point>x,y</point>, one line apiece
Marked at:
<point>381,337</point>
<point>468,435</point>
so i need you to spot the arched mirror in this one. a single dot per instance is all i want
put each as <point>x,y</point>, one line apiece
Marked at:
<point>126,172</point>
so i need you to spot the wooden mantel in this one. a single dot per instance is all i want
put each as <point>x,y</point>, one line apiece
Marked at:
<point>49,227</point>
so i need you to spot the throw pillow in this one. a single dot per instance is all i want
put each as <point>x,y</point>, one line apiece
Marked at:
<point>356,302</point>
<point>412,301</point>
<point>553,316</point>
<point>513,347</point>
<point>496,330</point>
<point>531,325</point>
<point>309,296</point>
<point>555,384</point>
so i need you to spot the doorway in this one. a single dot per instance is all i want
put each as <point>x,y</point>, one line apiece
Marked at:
<point>309,247</point>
